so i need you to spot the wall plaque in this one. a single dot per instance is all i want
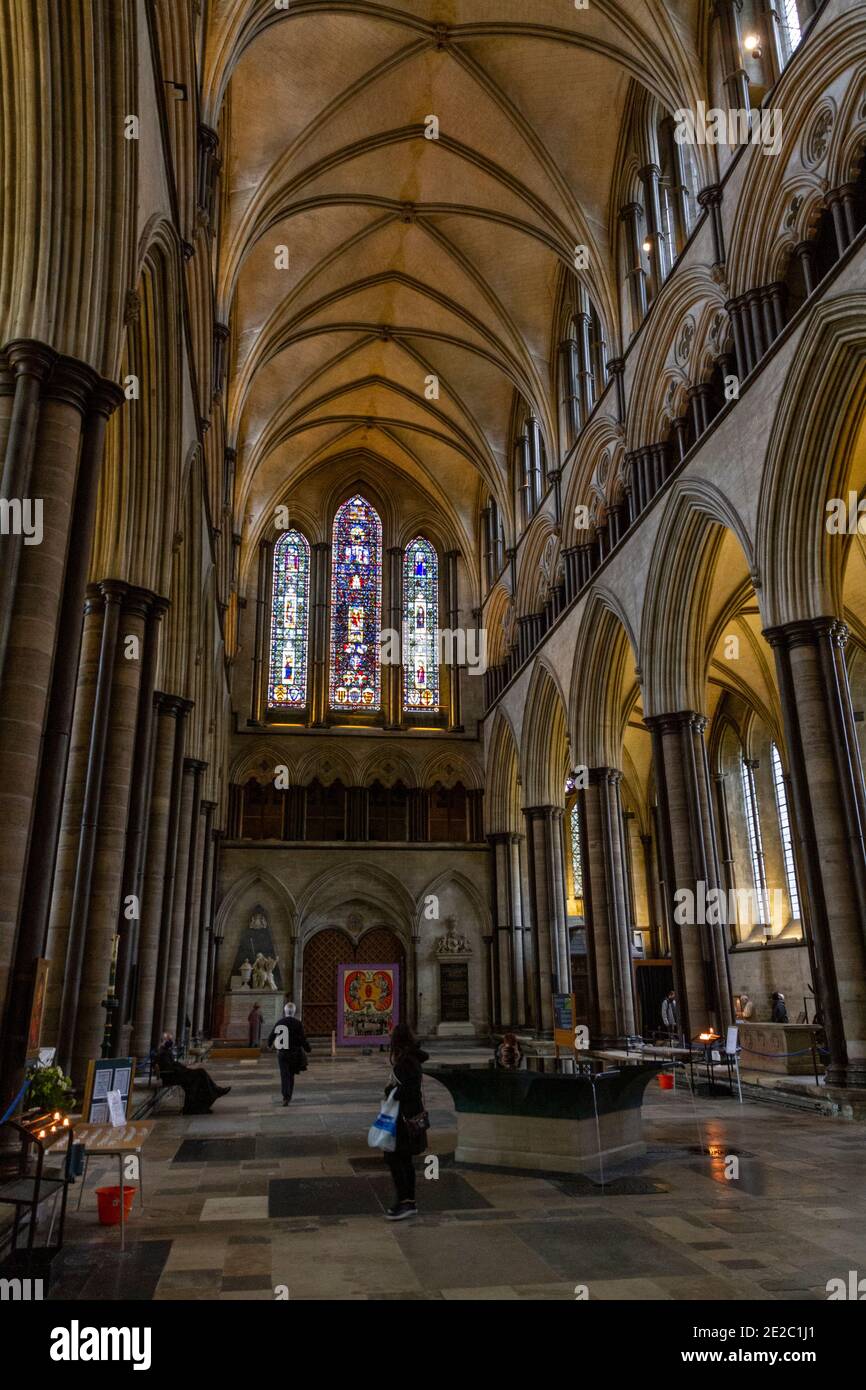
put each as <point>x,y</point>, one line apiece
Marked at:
<point>454,992</point>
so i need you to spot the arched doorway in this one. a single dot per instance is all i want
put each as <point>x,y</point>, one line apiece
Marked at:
<point>332,947</point>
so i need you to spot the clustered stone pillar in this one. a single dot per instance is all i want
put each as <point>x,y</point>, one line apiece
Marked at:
<point>607,904</point>
<point>689,861</point>
<point>88,883</point>
<point>510,1005</point>
<point>199,1019</point>
<point>165,808</point>
<point>191,907</point>
<point>65,435</point>
<point>547,904</point>
<point>826,779</point>
<point>174,1017</point>
<point>136,831</point>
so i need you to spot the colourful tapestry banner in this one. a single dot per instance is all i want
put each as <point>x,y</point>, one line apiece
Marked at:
<point>368,1002</point>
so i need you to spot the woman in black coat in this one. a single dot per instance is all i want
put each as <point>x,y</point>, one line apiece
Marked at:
<point>406,1059</point>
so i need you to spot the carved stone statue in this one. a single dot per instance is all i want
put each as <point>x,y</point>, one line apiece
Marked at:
<point>452,943</point>
<point>263,972</point>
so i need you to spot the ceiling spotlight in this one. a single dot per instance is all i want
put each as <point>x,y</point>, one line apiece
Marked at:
<point>647,246</point>
<point>752,45</point>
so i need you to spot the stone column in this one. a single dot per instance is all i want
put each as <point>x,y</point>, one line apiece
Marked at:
<point>187,817</point>
<point>47,599</point>
<point>205,914</point>
<point>42,453</point>
<point>163,837</point>
<point>842,202</point>
<point>455,725</point>
<point>504,1002</point>
<point>606,901</point>
<point>192,905</point>
<point>78,985</point>
<point>547,908</point>
<point>258,696</point>
<point>711,198</point>
<point>689,861</point>
<point>136,830</point>
<point>31,363</point>
<point>649,177</point>
<point>830,822</point>
<point>736,81</point>
<point>103,905</point>
<point>318,665</point>
<point>631,216</point>
<point>569,398</point>
<point>646,844</point>
<point>211,983</point>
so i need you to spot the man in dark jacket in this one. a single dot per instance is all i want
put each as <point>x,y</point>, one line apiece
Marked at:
<point>290,1041</point>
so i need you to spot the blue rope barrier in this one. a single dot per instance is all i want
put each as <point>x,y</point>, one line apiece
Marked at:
<point>14,1105</point>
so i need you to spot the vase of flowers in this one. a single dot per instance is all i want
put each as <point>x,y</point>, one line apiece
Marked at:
<point>49,1089</point>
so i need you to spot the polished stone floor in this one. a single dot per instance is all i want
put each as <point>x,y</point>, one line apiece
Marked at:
<point>255,1196</point>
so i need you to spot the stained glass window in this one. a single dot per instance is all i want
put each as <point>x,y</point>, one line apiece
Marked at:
<point>287,679</point>
<point>420,621</point>
<point>785,832</point>
<point>356,606</point>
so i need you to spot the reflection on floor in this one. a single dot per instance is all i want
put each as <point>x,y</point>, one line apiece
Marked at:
<point>256,1196</point>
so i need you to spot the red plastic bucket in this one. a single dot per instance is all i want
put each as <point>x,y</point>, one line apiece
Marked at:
<point>666,1083</point>
<point>108,1203</point>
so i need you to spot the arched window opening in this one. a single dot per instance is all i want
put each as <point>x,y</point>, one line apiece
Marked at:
<point>760,913</point>
<point>530,464</point>
<point>448,807</point>
<point>785,833</point>
<point>261,811</point>
<point>389,812</point>
<point>790,26</point>
<point>326,811</point>
<point>290,600</point>
<point>420,627</point>
<point>356,608</point>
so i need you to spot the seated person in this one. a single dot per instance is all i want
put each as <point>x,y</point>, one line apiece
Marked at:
<point>508,1054</point>
<point>199,1090</point>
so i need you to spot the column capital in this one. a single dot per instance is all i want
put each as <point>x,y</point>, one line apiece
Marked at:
<point>73,383</point>
<point>113,590</point>
<point>30,358</point>
<point>604,776</point>
<point>711,196</point>
<point>671,723</point>
<point>173,705</point>
<point>807,632</point>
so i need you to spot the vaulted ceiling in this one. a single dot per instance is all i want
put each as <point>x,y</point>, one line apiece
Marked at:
<point>409,257</point>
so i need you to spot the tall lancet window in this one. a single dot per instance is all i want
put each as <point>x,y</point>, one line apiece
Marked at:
<point>356,607</point>
<point>420,621</point>
<point>290,603</point>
